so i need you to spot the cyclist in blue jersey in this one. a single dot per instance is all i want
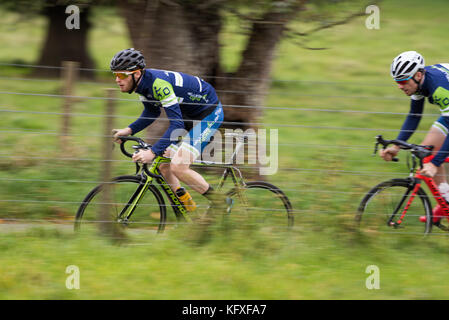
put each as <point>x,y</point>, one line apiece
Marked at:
<point>186,99</point>
<point>419,82</point>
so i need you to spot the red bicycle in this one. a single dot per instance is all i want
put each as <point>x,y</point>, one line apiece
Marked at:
<point>393,205</point>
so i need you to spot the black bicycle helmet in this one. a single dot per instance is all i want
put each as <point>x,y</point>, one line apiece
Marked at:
<point>128,60</point>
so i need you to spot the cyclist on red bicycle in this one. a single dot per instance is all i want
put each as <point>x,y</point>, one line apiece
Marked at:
<point>419,81</point>
<point>184,98</point>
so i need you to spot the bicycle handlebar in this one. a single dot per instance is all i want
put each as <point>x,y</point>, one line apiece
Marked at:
<point>142,145</point>
<point>420,151</point>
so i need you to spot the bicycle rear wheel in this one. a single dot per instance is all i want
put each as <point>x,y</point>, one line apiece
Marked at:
<point>149,214</point>
<point>262,204</point>
<point>381,209</point>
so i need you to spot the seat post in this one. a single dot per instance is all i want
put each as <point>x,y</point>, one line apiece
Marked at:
<point>240,138</point>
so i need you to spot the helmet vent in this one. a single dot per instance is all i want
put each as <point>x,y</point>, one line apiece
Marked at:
<point>405,64</point>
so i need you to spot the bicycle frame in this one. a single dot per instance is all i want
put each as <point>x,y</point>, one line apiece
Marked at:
<point>152,173</point>
<point>417,182</point>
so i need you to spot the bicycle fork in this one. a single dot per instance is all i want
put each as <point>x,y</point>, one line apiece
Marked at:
<point>396,224</point>
<point>131,205</point>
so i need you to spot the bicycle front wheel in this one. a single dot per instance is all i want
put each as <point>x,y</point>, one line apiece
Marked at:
<point>148,214</point>
<point>384,209</point>
<point>263,204</point>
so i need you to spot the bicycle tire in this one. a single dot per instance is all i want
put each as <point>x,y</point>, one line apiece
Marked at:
<point>280,216</point>
<point>156,219</point>
<point>369,217</point>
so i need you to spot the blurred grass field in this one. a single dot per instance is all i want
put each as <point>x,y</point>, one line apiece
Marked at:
<point>325,167</point>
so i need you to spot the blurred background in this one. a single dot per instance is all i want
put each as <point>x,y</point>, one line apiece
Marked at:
<point>317,71</point>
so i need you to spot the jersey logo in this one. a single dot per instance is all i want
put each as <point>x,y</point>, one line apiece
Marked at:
<point>161,93</point>
<point>197,97</point>
<point>441,97</point>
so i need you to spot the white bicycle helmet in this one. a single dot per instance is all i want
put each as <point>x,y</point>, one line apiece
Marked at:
<point>405,65</point>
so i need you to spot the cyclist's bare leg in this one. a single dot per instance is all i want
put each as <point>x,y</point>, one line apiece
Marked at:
<point>180,167</point>
<point>171,179</point>
<point>436,138</point>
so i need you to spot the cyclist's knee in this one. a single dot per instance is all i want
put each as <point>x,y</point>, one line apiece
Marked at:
<point>164,168</point>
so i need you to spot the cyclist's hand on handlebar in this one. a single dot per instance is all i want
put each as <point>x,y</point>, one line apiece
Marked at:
<point>144,156</point>
<point>389,153</point>
<point>429,170</point>
<point>120,132</point>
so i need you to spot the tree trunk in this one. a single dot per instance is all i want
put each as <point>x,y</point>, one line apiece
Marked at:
<point>249,85</point>
<point>62,44</point>
<point>175,36</point>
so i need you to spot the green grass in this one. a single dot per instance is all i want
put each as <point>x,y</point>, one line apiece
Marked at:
<point>302,265</point>
<point>325,167</point>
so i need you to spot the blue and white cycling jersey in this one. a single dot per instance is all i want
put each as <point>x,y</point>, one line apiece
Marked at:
<point>436,88</point>
<point>181,95</point>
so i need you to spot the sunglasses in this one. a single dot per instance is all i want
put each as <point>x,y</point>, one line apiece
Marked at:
<point>124,75</point>
<point>403,81</point>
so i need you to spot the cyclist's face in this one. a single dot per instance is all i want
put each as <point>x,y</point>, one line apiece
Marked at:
<point>409,87</point>
<point>127,83</point>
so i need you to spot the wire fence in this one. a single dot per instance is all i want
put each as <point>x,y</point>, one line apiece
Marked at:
<point>321,82</point>
<point>307,189</point>
<point>311,108</point>
<point>298,94</point>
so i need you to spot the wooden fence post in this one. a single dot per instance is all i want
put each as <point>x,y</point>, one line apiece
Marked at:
<point>108,227</point>
<point>69,75</point>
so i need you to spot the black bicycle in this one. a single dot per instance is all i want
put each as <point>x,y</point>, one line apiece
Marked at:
<point>137,200</point>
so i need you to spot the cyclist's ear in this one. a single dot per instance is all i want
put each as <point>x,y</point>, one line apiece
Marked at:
<point>417,76</point>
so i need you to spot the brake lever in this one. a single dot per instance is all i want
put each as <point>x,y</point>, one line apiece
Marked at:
<point>136,148</point>
<point>376,148</point>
